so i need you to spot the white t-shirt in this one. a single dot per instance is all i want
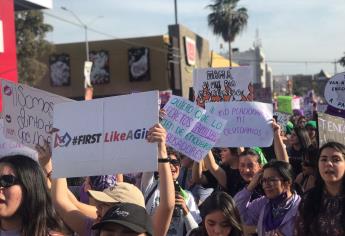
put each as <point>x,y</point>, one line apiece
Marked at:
<point>177,224</point>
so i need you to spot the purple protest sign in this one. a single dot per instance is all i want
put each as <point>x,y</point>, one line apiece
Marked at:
<point>190,129</point>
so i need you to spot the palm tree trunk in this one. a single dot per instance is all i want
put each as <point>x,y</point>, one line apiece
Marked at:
<point>230,54</point>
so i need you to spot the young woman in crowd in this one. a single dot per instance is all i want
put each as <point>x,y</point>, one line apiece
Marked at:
<point>225,176</point>
<point>219,217</point>
<point>274,213</point>
<point>322,209</point>
<point>186,213</point>
<point>307,178</point>
<point>80,217</point>
<point>26,208</point>
<point>311,127</point>
<point>299,142</point>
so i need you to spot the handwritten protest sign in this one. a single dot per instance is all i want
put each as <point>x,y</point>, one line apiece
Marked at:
<point>9,147</point>
<point>28,113</point>
<point>191,130</point>
<point>282,119</point>
<point>222,84</point>
<point>105,136</point>
<point>331,128</point>
<point>335,91</point>
<point>249,123</point>
<point>285,104</point>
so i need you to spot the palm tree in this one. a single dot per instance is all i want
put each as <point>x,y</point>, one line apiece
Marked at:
<point>227,21</point>
<point>342,61</point>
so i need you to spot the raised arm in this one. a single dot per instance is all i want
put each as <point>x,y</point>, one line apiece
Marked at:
<point>215,169</point>
<point>72,212</point>
<point>197,176</point>
<point>279,147</point>
<point>163,214</point>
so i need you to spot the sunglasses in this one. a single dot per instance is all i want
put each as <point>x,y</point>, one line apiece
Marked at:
<point>175,162</point>
<point>7,181</point>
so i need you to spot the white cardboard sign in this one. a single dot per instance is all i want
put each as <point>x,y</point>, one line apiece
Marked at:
<point>105,136</point>
<point>9,147</point>
<point>28,113</point>
<point>249,123</point>
<point>335,91</point>
<point>222,84</point>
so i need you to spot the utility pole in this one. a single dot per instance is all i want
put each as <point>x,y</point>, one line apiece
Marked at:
<point>87,64</point>
<point>175,4</point>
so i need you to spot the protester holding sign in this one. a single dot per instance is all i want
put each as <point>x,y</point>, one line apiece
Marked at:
<point>25,205</point>
<point>322,209</point>
<point>299,143</point>
<point>186,213</point>
<point>80,217</point>
<point>225,176</point>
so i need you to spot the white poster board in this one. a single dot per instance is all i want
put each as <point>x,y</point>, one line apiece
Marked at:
<point>249,123</point>
<point>28,113</point>
<point>191,130</point>
<point>335,91</point>
<point>105,136</point>
<point>223,84</point>
<point>9,147</point>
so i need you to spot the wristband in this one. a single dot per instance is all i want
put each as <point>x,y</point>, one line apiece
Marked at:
<point>163,160</point>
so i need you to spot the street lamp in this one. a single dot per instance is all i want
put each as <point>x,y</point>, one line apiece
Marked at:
<point>85,26</point>
<point>87,64</point>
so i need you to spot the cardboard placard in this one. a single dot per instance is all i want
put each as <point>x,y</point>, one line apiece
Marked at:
<point>28,113</point>
<point>249,123</point>
<point>191,130</point>
<point>222,84</point>
<point>285,104</point>
<point>331,128</point>
<point>105,136</point>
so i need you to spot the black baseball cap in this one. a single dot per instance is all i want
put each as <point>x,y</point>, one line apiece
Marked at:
<point>128,215</point>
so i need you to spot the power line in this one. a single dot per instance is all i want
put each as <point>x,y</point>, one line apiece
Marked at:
<point>107,35</point>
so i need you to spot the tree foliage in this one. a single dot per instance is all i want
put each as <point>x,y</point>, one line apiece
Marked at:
<point>227,20</point>
<point>342,61</point>
<point>31,45</point>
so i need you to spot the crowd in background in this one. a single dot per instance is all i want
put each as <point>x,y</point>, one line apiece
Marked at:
<point>293,187</point>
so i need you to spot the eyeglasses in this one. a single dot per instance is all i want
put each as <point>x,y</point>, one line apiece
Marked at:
<point>269,181</point>
<point>7,181</point>
<point>175,162</point>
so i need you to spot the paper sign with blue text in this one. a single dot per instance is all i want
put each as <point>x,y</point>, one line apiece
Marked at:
<point>28,113</point>
<point>191,130</point>
<point>105,136</point>
<point>249,123</point>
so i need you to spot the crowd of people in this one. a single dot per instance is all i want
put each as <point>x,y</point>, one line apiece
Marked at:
<point>293,187</point>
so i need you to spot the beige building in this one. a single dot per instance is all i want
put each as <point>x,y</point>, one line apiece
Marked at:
<point>121,66</point>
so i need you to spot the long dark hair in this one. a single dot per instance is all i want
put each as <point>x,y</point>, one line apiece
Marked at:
<point>283,168</point>
<point>223,202</point>
<point>303,138</point>
<point>310,206</point>
<point>37,214</point>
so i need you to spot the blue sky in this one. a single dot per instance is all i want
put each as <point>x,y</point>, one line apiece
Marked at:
<point>295,30</point>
